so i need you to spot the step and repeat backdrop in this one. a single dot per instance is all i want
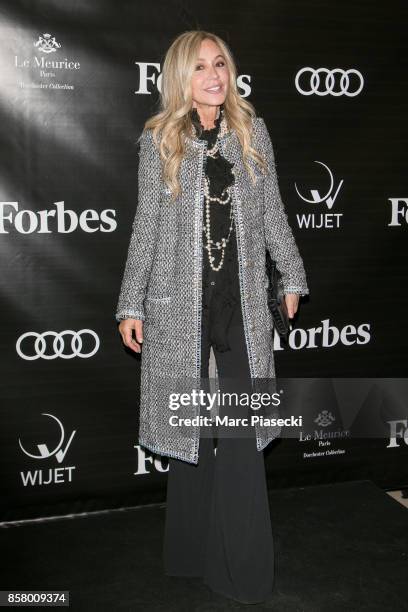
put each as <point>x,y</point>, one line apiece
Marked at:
<point>77,82</point>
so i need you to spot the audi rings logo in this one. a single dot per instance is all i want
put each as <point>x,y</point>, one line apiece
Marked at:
<point>348,82</point>
<point>50,344</point>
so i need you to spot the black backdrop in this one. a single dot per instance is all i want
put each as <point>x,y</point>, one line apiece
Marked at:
<point>78,80</point>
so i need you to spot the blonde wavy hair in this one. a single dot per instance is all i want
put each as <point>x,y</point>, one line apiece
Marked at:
<point>172,123</point>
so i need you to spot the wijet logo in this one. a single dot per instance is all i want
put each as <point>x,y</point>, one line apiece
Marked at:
<point>327,220</point>
<point>42,477</point>
<point>47,43</point>
<point>398,431</point>
<point>399,214</point>
<point>150,78</point>
<point>59,219</point>
<point>325,336</point>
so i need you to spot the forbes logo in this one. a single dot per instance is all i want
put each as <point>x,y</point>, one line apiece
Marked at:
<point>56,220</point>
<point>398,212</point>
<point>398,430</point>
<point>149,72</point>
<point>325,336</point>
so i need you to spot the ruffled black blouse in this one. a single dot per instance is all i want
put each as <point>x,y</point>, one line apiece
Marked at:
<point>221,293</point>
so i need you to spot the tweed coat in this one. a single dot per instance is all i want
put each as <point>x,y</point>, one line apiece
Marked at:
<point>162,280</point>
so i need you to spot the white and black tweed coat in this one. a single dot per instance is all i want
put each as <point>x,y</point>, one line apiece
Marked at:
<point>162,281</point>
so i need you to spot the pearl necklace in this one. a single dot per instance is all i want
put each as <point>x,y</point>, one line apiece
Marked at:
<point>211,245</point>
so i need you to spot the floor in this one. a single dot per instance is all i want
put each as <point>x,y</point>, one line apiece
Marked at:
<point>341,547</point>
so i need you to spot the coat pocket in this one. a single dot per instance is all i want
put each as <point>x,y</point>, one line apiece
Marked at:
<point>159,316</point>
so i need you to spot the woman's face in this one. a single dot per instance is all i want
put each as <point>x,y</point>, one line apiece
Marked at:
<point>211,76</point>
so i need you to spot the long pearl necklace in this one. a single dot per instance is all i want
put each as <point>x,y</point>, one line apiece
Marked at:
<point>225,199</point>
<point>211,245</point>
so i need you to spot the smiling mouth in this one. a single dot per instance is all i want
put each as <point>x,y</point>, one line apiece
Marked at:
<point>216,89</point>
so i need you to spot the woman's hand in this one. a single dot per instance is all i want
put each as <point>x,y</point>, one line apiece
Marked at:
<point>292,303</point>
<point>126,327</point>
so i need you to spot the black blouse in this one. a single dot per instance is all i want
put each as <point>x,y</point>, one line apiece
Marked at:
<point>221,293</point>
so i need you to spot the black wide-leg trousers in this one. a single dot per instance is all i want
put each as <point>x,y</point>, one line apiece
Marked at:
<point>218,523</point>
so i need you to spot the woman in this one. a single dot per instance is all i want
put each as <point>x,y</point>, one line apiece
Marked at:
<point>209,205</point>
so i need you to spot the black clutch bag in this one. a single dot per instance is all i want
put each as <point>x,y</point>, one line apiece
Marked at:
<point>276,298</point>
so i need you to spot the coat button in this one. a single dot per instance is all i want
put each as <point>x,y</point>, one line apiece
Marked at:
<point>256,359</point>
<point>252,327</point>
